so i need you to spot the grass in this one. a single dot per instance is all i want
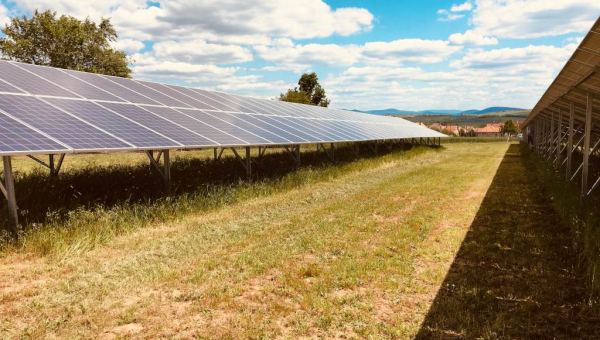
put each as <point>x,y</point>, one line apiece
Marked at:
<point>371,248</point>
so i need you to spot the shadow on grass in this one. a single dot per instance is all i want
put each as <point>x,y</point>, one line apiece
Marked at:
<point>41,198</point>
<point>516,274</point>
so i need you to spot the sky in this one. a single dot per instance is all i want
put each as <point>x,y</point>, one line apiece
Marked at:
<point>409,55</point>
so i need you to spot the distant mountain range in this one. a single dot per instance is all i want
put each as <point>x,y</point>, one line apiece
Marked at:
<point>396,112</point>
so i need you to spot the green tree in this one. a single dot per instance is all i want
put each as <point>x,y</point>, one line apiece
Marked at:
<point>509,127</point>
<point>308,92</point>
<point>64,42</point>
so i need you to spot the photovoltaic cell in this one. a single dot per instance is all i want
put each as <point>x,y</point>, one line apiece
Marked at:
<point>61,78</point>
<point>232,101</point>
<point>58,124</point>
<point>208,100</point>
<point>229,127</point>
<point>168,90</point>
<point>29,82</point>
<point>285,133</point>
<point>265,131</point>
<point>275,121</point>
<point>158,124</point>
<point>235,106</point>
<point>323,136</point>
<point>195,125</point>
<point>16,137</point>
<point>108,121</point>
<point>147,91</point>
<point>107,85</point>
<point>5,87</point>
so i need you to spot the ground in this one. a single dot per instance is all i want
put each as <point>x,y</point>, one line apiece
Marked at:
<point>455,243</point>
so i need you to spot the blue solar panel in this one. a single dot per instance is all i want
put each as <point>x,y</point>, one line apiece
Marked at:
<point>231,101</point>
<point>160,125</point>
<point>29,82</point>
<point>172,92</point>
<point>322,127</point>
<point>277,109</point>
<point>258,128</point>
<point>225,126</point>
<point>195,125</point>
<point>63,79</point>
<point>107,85</point>
<point>258,106</point>
<point>297,124</point>
<point>147,91</point>
<point>58,124</point>
<point>118,126</point>
<point>300,132</point>
<point>5,87</point>
<point>16,137</point>
<point>287,133</point>
<point>216,104</point>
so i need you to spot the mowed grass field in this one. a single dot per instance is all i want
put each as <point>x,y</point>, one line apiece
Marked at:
<point>458,242</point>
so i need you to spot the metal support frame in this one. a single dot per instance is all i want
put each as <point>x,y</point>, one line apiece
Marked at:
<point>165,170</point>
<point>330,153</point>
<point>246,162</point>
<point>373,146</point>
<point>586,145</point>
<point>570,141</point>
<point>355,147</point>
<point>52,165</point>
<point>294,152</point>
<point>8,189</point>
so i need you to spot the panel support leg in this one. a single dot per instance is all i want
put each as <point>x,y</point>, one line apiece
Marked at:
<point>215,154</point>
<point>570,140</point>
<point>9,191</point>
<point>559,140</point>
<point>248,162</point>
<point>167,170</point>
<point>586,145</point>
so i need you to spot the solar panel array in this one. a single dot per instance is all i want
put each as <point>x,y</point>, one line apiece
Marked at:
<point>51,110</point>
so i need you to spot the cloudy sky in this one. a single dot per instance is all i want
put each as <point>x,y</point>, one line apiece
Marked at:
<point>410,55</point>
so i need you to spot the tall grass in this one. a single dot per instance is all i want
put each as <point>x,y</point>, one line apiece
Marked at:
<point>478,140</point>
<point>88,206</point>
<point>581,216</point>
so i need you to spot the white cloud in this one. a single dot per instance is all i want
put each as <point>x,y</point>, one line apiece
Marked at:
<point>298,19</point>
<point>398,52</point>
<point>4,19</point>
<point>201,52</point>
<point>464,7</point>
<point>533,18</point>
<point>471,38</point>
<point>447,16</point>
<point>130,46</point>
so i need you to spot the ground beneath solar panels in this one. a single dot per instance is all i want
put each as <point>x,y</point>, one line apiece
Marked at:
<point>458,243</point>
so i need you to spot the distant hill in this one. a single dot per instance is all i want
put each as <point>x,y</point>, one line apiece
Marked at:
<point>396,112</point>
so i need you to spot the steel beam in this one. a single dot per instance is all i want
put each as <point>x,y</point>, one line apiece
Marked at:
<point>9,188</point>
<point>570,141</point>
<point>559,139</point>
<point>167,170</point>
<point>586,145</point>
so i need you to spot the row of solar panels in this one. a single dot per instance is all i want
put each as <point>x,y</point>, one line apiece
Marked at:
<point>46,110</point>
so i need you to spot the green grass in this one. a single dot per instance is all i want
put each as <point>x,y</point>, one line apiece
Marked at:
<point>428,243</point>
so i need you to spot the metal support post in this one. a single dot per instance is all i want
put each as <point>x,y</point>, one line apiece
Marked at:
<point>9,191</point>
<point>558,140</point>
<point>167,170</point>
<point>215,154</point>
<point>586,145</point>
<point>298,155</point>
<point>248,162</point>
<point>570,140</point>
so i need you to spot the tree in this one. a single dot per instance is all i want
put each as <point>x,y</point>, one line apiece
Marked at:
<point>64,42</point>
<point>308,92</point>
<point>509,127</point>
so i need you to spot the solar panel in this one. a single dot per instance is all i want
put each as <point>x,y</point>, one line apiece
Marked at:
<point>77,86</point>
<point>5,87</point>
<point>31,83</point>
<point>196,125</point>
<point>107,85</point>
<point>18,138</point>
<point>156,123</point>
<point>147,91</point>
<point>79,112</point>
<point>171,92</point>
<point>213,104</point>
<point>58,124</point>
<point>227,125</point>
<point>127,130</point>
<point>300,132</point>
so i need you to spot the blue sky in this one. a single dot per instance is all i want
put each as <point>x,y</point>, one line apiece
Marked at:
<point>411,55</point>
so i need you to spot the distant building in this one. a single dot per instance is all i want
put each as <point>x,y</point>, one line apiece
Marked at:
<point>490,130</point>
